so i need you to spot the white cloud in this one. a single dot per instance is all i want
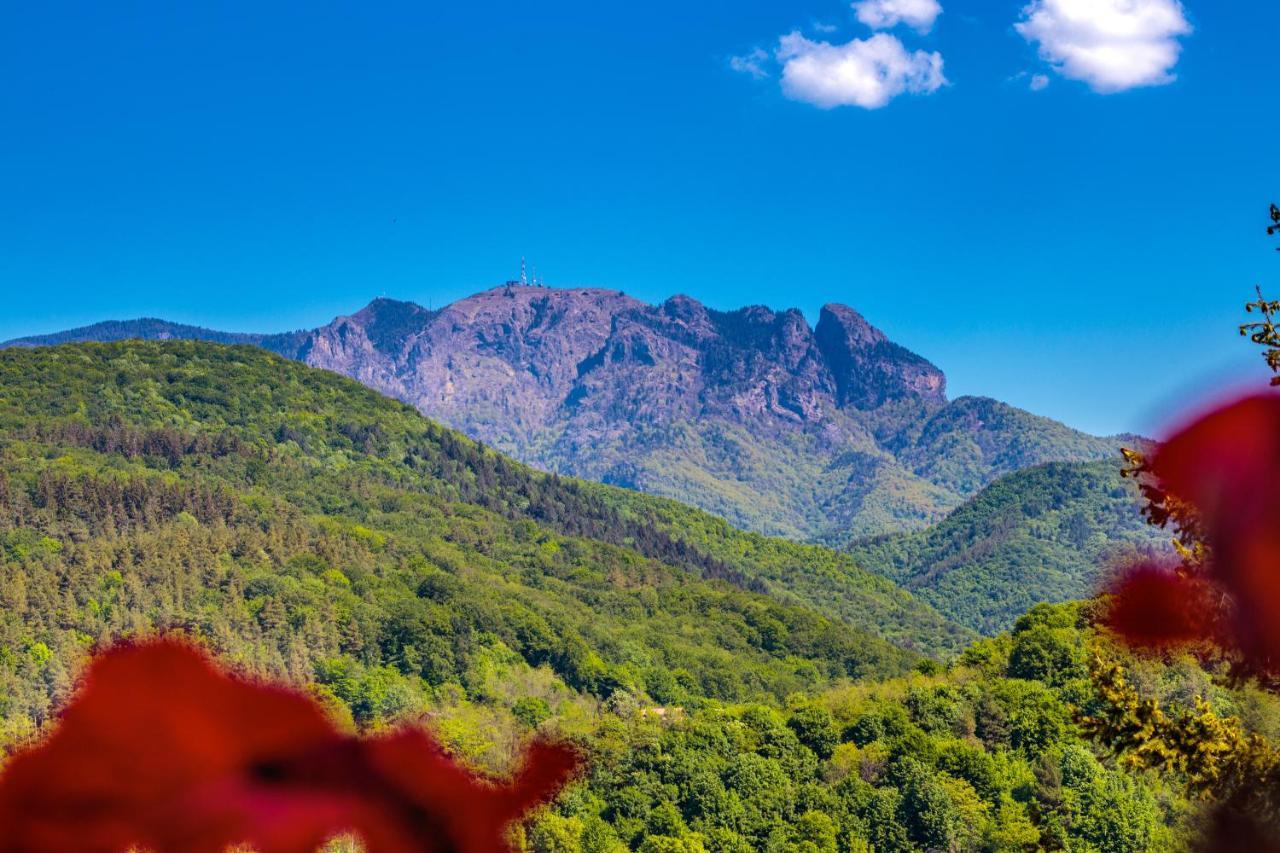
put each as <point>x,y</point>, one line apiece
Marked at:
<point>885,14</point>
<point>865,73</point>
<point>1039,82</point>
<point>1112,45</point>
<point>751,63</point>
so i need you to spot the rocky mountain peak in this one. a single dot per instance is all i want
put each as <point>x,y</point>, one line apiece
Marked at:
<point>868,368</point>
<point>684,308</point>
<point>388,323</point>
<point>841,323</point>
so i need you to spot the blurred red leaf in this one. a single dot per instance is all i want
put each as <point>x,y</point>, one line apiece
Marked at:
<point>1154,607</point>
<point>164,751</point>
<point>1226,461</point>
<point>1226,466</point>
<point>1230,830</point>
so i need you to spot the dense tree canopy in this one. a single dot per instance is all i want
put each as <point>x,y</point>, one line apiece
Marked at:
<point>302,526</point>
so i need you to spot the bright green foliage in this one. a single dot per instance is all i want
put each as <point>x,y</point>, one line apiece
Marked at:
<point>833,582</point>
<point>671,844</point>
<point>925,808</point>
<point>1052,655</point>
<point>531,711</point>
<point>976,759</point>
<point>815,728</point>
<point>551,833</point>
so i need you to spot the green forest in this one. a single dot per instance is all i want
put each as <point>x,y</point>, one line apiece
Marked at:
<point>985,754</point>
<point>1046,533</point>
<point>732,692</point>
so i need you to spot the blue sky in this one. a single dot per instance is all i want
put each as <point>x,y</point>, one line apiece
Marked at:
<point>1058,219</point>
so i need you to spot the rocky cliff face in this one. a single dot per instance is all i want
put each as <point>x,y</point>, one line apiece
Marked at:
<point>819,433</point>
<point>868,368</point>
<point>550,359</point>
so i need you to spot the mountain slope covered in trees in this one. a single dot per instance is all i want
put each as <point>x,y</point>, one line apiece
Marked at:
<point>1046,534</point>
<point>810,432</point>
<point>301,522</point>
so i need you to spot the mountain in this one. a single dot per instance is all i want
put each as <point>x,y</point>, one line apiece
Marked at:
<point>814,433</point>
<point>1047,533</point>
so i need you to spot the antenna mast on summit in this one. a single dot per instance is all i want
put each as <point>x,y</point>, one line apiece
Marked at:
<point>524,277</point>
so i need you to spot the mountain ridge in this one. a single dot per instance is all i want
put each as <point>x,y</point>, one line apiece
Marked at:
<point>811,432</point>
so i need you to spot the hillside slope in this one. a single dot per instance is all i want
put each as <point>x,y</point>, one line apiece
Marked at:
<point>754,415</point>
<point>1045,534</point>
<point>297,519</point>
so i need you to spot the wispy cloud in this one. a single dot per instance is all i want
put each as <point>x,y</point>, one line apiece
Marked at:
<point>1112,45</point>
<point>752,63</point>
<point>1039,82</point>
<point>866,73</point>
<point>885,14</point>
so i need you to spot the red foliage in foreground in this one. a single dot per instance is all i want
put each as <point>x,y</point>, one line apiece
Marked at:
<point>162,750</point>
<point>1156,607</point>
<point>1226,466</point>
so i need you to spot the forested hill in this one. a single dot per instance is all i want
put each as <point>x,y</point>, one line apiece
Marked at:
<point>303,523</point>
<point>154,329</point>
<point>1047,533</point>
